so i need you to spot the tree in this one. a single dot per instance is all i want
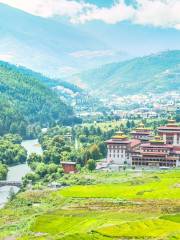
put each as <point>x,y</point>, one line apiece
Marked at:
<point>14,138</point>
<point>34,158</point>
<point>95,152</point>
<point>91,164</point>
<point>10,153</point>
<point>128,124</point>
<point>103,149</point>
<point>3,171</point>
<point>11,194</point>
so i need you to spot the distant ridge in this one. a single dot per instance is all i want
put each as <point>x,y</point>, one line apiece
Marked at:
<point>50,82</point>
<point>155,73</point>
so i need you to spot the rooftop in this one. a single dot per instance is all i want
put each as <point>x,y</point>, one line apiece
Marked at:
<point>135,142</point>
<point>69,163</point>
<point>140,133</point>
<point>157,140</point>
<point>172,125</point>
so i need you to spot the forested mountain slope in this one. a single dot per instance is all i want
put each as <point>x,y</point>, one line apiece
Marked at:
<point>51,82</point>
<point>25,102</point>
<point>155,73</point>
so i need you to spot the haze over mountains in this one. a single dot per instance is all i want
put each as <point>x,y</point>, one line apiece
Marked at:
<point>50,46</point>
<point>156,73</point>
<point>56,47</point>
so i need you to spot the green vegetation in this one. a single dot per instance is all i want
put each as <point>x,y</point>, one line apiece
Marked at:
<point>26,103</point>
<point>106,214</point>
<point>135,76</point>
<point>158,187</point>
<point>11,152</point>
<point>145,229</point>
<point>91,164</point>
<point>42,173</point>
<point>83,144</point>
<point>3,171</point>
<point>78,144</point>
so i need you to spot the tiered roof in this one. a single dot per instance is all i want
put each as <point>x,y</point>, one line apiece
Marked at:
<point>121,138</point>
<point>172,126</point>
<point>141,129</point>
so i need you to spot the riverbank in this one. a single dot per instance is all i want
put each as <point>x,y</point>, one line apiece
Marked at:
<point>16,173</point>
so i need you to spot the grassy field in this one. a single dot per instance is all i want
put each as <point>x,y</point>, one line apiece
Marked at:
<point>160,186</point>
<point>118,206</point>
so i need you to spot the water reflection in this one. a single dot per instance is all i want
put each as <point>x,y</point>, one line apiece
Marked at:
<point>17,172</point>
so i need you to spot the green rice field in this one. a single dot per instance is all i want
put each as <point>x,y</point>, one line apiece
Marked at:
<point>118,206</point>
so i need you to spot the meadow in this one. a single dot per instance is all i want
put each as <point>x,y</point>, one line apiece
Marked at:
<point>125,205</point>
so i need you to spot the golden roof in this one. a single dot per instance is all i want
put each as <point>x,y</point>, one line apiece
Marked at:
<point>142,127</point>
<point>157,139</point>
<point>172,123</point>
<point>120,135</point>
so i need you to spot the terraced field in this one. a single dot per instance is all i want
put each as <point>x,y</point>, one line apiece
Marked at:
<point>155,187</point>
<point>143,207</point>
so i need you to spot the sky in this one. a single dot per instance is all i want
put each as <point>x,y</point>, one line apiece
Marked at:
<point>126,28</point>
<point>157,13</point>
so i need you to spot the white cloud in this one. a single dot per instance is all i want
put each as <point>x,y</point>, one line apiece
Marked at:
<point>158,13</point>
<point>92,54</point>
<point>49,8</point>
<point>117,13</point>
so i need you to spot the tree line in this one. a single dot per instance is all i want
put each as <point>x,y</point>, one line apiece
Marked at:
<point>11,153</point>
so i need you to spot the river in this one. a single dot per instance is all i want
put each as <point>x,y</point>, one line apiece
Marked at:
<point>17,172</point>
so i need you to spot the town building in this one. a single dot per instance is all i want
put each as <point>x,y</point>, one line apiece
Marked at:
<point>120,149</point>
<point>69,167</point>
<point>142,133</point>
<point>156,153</point>
<point>142,150</point>
<point>170,133</point>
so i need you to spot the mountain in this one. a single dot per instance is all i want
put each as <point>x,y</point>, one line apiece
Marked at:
<point>156,73</point>
<point>50,46</point>
<point>50,82</point>
<point>25,102</point>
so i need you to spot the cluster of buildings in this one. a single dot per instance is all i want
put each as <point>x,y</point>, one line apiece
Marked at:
<point>145,106</point>
<point>143,149</point>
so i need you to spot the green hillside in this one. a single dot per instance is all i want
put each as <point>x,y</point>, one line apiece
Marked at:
<point>25,102</point>
<point>50,82</point>
<point>155,73</point>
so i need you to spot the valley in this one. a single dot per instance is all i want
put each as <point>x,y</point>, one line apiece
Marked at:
<point>89,120</point>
